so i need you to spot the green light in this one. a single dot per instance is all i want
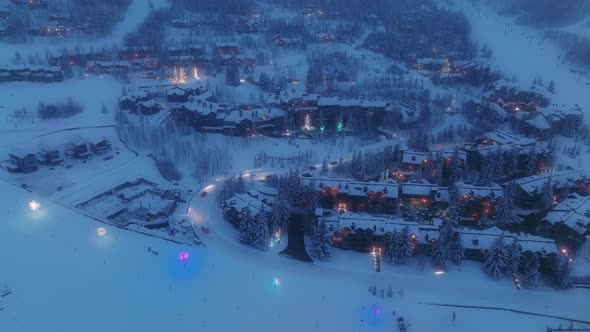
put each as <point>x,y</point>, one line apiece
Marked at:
<point>322,128</point>
<point>340,126</point>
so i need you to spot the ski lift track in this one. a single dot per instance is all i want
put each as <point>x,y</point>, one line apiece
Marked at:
<point>507,309</point>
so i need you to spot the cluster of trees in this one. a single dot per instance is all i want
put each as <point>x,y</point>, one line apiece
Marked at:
<point>167,143</point>
<point>254,230</point>
<point>301,159</point>
<point>576,46</point>
<point>269,84</point>
<point>232,74</point>
<point>448,246</point>
<point>59,110</point>
<point>327,68</point>
<point>503,258</point>
<point>369,165</point>
<point>320,243</point>
<point>498,165</point>
<point>400,247</point>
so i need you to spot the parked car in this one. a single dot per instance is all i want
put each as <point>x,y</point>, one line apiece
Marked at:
<point>108,157</point>
<point>334,163</point>
<point>203,194</point>
<point>312,168</point>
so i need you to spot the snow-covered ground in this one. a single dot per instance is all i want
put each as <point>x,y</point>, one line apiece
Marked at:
<point>67,277</point>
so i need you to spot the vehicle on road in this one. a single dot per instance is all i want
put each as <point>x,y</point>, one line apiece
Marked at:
<point>204,229</point>
<point>203,194</point>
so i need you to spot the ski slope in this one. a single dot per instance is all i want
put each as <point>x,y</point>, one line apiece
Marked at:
<point>524,52</point>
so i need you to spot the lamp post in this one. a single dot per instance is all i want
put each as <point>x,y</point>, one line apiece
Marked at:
<point>377,258</point>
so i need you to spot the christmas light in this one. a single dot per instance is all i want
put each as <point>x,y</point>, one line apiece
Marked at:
<point>340,126</point>
<point>34,205</point>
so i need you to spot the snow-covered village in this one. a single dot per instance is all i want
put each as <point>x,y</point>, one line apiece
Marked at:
<point>282,165</point>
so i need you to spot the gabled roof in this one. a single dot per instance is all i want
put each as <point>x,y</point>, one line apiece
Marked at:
<point>559,179</point>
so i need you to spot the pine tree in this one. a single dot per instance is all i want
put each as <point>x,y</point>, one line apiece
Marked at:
<point>530,270</point>
<point>248,227</point>
<point>403,246</point>
<point>456,252</point>
<point>280,214</point>
<point>551,87</point>
<point>392,248</point>
<point>561,271</point>
<point>486,175</point>
<point>320,243</point>
<point>511,162</point>
<point>261,235</point>
<point>455,209</point>
<point>324,170</point>
<point>495,258</point>
<point>439,255</point>
<point>505,211</point>
<point>513,255</point>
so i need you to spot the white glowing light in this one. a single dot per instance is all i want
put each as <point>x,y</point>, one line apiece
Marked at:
<point>34,205</point>
<point>101,231</point>
<point>439,272</point>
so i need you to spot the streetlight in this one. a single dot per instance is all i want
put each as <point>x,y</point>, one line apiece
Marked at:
<point>377,258</point>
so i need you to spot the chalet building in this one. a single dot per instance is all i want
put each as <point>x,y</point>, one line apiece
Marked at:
<point>185,55</point>
<point>478,200</point>
<point>177,95</point>
<point>229,48</point>
<point>78,148</point>
<point>429,66</point>
<point>566,122</point>
<point>244,27</point>
<point>350,195</point>
<point>108,67</point>
<point>516,98</point>
<point>491,111</point>
<point>256,120</point>
<point>530,189</point>
<point>257,200</point>
<point>287,42</point>
<point>422,196</point>
<point>132,99</point>
<point>102,146</point>
<point>240,60</point>
<point>363,232</point>
<point>201,114</point>
<point>413,162</point>
<point>569,221</point>
<point>130,53</point>
<point>31,73</point>
<point>22,161</point>
<point>502,141</point>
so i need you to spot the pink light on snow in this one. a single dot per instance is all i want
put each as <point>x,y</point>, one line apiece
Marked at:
<point>183,256</point>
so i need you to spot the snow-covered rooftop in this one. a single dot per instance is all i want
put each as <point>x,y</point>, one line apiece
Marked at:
<point>574,212</point>
<point>559,179</point>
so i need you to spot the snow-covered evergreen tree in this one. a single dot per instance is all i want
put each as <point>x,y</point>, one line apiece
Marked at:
<point>505,210</point>
<point>530,270</point>
<point>513,254</point>
<point>496,258</point>
<point>402,246</point>
<point>392,248</point>
<point>248,227</point>
<point>320,243</point>
<point>439,255</point>
<point>486,174</point>
<point>324,170</point>
<point>261,235</point>
<point>561,272</point>
<point>456,249</point>
<point>511,163</point>
<point>455,209</point>
<point>280,214</point>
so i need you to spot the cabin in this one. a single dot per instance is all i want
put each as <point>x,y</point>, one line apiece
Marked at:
<point>101,147</point>
<point>22,161</point>
<point>287,42</point>
<point>149,107</point>
<point>246,121</point>
<point>478,200</point>
<point>515,97</point>
<point>350,195</point>
<point>530,189</point>
<point>228,48</point>
<point>177,95</point>
<point>568,222</point>
<point>256,201</point>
